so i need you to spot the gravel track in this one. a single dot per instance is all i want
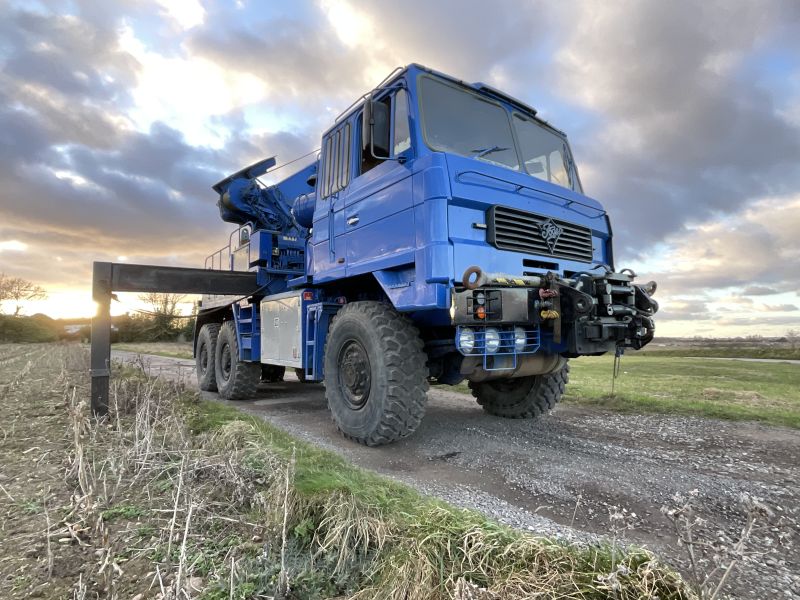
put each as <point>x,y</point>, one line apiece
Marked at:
<point>561,475</point>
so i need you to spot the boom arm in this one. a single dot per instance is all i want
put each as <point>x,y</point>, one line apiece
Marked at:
<point>242,200</point>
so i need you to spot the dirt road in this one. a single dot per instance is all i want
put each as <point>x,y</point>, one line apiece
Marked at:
<point>562,475</point>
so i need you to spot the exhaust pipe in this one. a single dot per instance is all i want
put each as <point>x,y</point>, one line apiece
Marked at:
<point>475,277</point>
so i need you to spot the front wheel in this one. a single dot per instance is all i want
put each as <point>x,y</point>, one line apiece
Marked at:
<point>236,379</point>
<point>376,378</point>
<point>523,397</point>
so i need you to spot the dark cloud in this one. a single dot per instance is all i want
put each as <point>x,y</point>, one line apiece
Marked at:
<point>302,61</point>
<point>688,131</point>
<point>759,290</point>
<point>79,183</point>
<point>671,117</point>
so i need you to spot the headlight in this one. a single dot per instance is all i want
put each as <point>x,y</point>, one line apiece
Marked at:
<point>520,339</point>
<point>492,340</point>
<point>466,340</point>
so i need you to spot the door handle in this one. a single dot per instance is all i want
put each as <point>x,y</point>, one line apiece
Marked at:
<point>352,220</point>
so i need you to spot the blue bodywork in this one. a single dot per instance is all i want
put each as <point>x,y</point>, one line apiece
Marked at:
<point>403,231</point>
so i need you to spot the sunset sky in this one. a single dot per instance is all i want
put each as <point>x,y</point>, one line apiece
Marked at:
<point>684,117</point>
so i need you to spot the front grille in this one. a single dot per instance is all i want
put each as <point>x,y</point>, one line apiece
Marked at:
<point>521,231</point>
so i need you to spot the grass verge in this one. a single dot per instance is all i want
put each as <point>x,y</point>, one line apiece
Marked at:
<point>177,497</point>
<point>654,383</point>
<point>721,389</point>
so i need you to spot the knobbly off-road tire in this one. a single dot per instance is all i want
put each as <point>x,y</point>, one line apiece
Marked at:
<point>376,378</point>
<point>204,357</point>
<point>272,373</point>
<point>523,397</point>
<point>236,380</point>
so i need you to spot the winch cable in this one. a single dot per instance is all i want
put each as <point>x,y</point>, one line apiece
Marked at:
<point>618,353</point>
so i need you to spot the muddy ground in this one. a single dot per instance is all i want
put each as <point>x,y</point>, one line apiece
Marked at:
<point>563,475</point>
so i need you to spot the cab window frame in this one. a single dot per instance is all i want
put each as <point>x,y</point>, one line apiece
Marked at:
<point>335,169</point>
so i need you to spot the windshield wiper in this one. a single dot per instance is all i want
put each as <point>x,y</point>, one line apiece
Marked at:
<point>484,151</point>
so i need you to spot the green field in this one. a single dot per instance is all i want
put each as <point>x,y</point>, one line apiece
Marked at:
<point>726,351</point>
<point>727,389</point>
<point>170,349</point>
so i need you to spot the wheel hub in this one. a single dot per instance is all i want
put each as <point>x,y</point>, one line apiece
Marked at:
<point>355,377</point>
<point>203,359</point>
<point>225,363</point>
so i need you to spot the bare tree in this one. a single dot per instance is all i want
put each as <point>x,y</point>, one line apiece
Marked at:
<point>164,310</point>
<point>19,290</point>
<point>793,337</point>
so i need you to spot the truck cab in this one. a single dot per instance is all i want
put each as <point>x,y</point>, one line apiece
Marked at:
<point>443,227</point>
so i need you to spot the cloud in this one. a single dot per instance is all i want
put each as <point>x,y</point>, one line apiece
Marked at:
<point>778,307</point>
<point>116,119</point>
<point>79,180</point>
<point>684,309</point>
<point>713,268</point>
<point>759,290</point>
<point>687,132</point>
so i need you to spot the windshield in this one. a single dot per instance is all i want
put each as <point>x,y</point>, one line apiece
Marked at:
<point>459,121</point>
<point>543,154</point>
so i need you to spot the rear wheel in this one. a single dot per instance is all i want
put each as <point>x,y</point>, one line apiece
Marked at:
<point>204,357</point>
<point>523,397</point>
<point>272,373</point>
<point>300,374</point>
<point>236,379</point>
<point>376,378</point>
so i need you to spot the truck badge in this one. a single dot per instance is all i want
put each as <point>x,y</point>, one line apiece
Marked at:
<point>550,233</point>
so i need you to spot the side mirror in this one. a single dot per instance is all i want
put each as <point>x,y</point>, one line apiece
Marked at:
<point>367,122</point>
<point>375,128</point>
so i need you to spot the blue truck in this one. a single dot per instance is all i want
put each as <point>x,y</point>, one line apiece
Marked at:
<point>442,235</point>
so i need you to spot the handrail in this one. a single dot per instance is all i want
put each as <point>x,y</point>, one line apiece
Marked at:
<point>211,257</point>
<point>362,97</point>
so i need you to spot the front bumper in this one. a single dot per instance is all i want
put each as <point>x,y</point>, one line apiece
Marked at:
<point>585,314</point>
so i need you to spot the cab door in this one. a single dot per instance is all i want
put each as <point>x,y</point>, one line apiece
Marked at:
<point>328,236</point>
<point>378,207</point>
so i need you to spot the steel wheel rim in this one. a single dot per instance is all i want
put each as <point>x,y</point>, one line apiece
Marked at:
<point>355,374</point>
<point>203,359</point>
<point>226,361</point>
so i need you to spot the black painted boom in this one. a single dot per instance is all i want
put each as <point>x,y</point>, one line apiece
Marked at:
<point>116,277</point>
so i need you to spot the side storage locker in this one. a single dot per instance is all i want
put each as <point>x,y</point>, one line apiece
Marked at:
<point>282,330</point>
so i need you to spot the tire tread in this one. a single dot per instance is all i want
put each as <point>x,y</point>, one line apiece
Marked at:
<point>407,372</point>
<point>541,398</point>
<point>245,376</point>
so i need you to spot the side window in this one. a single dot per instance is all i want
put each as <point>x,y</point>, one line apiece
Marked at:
<point>369,162</point>
<point>344,166</point>
<point>334,163</point>
<point>324,188</point>
<point>335,172</point>
<point>402,133</point>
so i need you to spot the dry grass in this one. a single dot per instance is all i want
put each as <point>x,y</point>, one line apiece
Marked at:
<point>174,498</point>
